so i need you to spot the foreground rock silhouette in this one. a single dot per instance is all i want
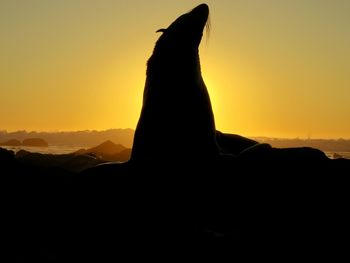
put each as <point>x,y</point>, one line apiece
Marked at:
<point>246,201</point>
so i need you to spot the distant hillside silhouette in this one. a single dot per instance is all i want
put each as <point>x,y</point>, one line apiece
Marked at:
<point>72,163</point>
<point>11,142</point>
<point>125,138</point>
<point>328,145</point>
<point>75,138</point>
<point>35,142</point>
<point>107,151</point>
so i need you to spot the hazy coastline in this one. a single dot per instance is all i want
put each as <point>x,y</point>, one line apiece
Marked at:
<point>70,141</point>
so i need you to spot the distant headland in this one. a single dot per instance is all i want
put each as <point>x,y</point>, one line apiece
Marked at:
<point>91,138</point>
<point>86,138</point>
<point>30,142</point>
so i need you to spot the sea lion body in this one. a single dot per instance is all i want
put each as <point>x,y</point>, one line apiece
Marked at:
<point>176,120</point>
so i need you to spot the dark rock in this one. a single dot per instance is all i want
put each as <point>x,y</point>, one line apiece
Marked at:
<point>67,162</point>
<point>265,200</point>
<point>233,143</point>
<point>108,151</point>
<point>35,142</point>
<point>12,142</point>
<point>6,156</point>
<point>123,156</point>
<point>80,163</point>
<point>270,199</point>
<point>22,153</point>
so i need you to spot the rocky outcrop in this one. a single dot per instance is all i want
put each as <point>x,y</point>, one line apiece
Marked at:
<point>264,199</point>
<point>6,156</point>
<point>35,142</point>
<point>12,142</point>
<point>105,148</point>
<point>108,151</point>
<point>233,143</point>
<point>74,138</point>
<point>66,162</point>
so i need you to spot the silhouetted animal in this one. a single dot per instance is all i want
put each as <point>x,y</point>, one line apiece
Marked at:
<point>264,203</point>
<point>176,118</point>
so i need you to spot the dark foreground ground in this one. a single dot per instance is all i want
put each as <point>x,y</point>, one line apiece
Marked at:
<point>269,204</point>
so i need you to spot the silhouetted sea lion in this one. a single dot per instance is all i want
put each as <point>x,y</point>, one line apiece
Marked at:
<point>176,120</point>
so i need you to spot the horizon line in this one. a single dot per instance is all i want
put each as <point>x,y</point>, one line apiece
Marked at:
<point>55,131</point>
<point>109,129</point>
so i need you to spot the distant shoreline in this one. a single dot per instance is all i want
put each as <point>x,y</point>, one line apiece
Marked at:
<point>69,149</point>
<point>52,149</point>
<point>92,131</point>
<point>91,138</point>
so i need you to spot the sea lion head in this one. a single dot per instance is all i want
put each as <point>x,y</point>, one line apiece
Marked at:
<point>187,30</point>
<point>175,56</point>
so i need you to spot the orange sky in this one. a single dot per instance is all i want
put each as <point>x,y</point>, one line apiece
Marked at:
<point>273,68</point>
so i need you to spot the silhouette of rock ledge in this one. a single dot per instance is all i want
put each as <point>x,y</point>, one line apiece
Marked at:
<point>67,162</point>
<point>264,198</point>
<point>6,156</point>
<point>233,143</point>
<point>35,142</point>
<point>107,151</point>
<point>12,142</point>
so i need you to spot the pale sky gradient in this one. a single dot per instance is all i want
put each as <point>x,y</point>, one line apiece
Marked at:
<point>278,68</point>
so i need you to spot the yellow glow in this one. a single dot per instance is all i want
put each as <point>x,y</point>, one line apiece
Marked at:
<point>272,68</point>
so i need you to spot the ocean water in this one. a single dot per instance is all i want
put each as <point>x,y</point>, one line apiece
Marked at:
<point>52,149</point>
<point>65,149</point>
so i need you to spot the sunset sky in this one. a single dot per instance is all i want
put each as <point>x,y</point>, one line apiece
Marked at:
<point>278,68</point>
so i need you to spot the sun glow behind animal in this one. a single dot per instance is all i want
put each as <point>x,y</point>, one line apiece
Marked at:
<point>272,69</point>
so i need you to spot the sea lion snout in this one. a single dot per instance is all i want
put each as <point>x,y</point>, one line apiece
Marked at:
<point>200,17</point>
<point>201,12</point>
<point>187,30</point>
